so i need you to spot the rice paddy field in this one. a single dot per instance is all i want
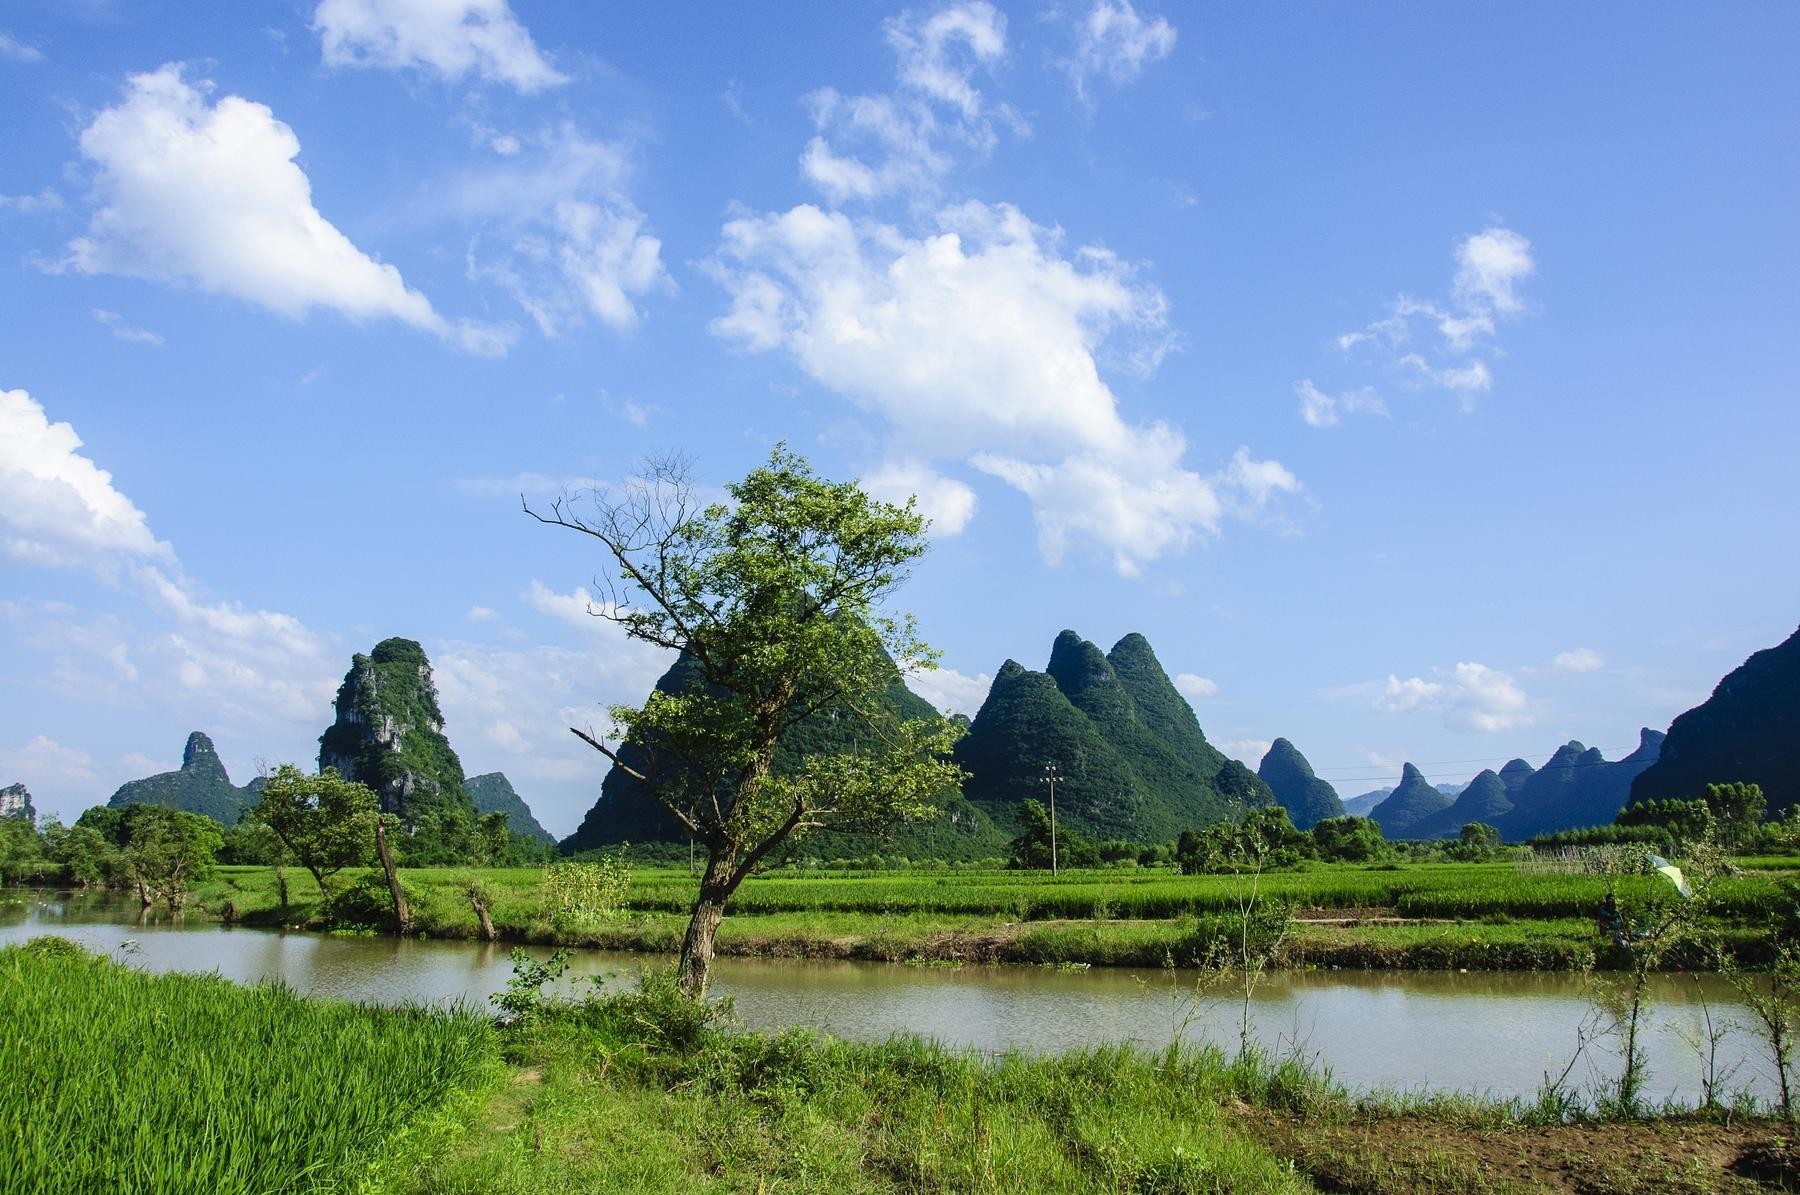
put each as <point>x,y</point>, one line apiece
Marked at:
<point>1494,916</point>
<point>114,1080</point>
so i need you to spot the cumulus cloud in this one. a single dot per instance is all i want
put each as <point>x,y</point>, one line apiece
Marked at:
<point>575,244</point>
<point>981,341</point>
<point>56,506</point>
<point>1580,659</point>
<point>1195,687</point>
<point>453,38</point>
<point>1470,697</point>
<point>1113,42</point>
<point>948,689</point>
<point>1320,409</point>
<point>868,146</point>
<point>59,509</point>
<point>1444,346</point>
<point>209,194</point>
<point>1248,752</point>
<point>947,502</point>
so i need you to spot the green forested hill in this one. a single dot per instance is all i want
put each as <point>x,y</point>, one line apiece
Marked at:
<point>492,792</point>
<point>1132,758</point>
<point>1747,730</point>
<point>200,785</point>
<point>1308,799</point>
<point>1409,805</point>
<point>626,811</point>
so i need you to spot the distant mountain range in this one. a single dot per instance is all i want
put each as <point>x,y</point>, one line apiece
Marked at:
<point>1133,762</point>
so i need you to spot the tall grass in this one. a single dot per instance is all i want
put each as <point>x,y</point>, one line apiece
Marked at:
<point>114,1080</point>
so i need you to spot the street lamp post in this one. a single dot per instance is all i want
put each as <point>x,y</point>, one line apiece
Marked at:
<point>1050,779</point>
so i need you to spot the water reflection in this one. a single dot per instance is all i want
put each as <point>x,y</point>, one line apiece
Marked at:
<point>1479,1032</point>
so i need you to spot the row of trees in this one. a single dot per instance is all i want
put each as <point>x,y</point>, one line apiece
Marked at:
<point>320,823</point>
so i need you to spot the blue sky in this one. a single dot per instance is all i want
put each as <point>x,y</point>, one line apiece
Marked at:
<point>1419,379</point>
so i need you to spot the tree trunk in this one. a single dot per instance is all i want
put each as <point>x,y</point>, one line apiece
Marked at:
<point>146,898</point>
<point>282,884</point>
<point>481,914</point>
<point>393,879</point>
<point>716,887</point>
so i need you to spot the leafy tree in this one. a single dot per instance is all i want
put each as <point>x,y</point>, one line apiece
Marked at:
<point>1265,835</point>
<point>1477,843</point>
<point>326,823</point>
<point>167,851</point>
<point>777,596</point>
<point>1348,840</point>
<point>1684,821</point>
<point>1031,849</point>
<point>1738,810</point>
<point>21,850</point>
<point>87,858</point>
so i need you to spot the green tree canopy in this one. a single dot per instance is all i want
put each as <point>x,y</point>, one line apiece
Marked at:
<point>326,823</point>
<point>778,597</point>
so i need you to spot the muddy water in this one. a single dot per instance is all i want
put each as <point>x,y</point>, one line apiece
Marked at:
<point>1495,1033</point>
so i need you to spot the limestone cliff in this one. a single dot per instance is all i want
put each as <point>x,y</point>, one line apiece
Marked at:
<point>389,735</point>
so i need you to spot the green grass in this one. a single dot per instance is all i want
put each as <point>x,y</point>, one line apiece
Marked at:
<point>117,1080</point>
<point>605,1099</point>
<point>1498,917</point>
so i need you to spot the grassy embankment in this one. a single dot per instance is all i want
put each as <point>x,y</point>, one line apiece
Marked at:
<point>1419,916</point>
<point>179,1083</point>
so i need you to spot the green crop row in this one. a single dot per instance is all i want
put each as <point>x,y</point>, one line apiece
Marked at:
<point>121,1081</point>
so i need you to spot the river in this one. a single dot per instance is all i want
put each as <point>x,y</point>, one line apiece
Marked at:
<point>1482,1033</point>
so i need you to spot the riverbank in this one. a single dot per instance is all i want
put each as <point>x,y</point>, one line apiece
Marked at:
<point>641,1091</point>
<point>1490,917</point>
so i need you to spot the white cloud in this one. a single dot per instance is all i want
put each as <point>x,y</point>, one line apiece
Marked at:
<point>982,342</point>
<point>210,194</point>
<point>1580,659</point>
<point>1470,697</point>
<point>17,51</point>
<point>115,323</point>
<point>46,200</point>
<point>578,246</point>
<point>1195,687</point>
<point>1114,42</point>
<point>938,53</point>
<point>56,506</point>
<point>510,709</point>
<point>948,689</point>
<point>45,767</point>
<point>1490,266</point>
<point>451,37</point>
<point>948,503</point>
<point>1320,409</point>
<point>482,614</point>
<point>870,146</point>
<point>1248,752</point>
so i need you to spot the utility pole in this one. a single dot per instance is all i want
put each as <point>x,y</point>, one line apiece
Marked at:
<point>1050,778</point>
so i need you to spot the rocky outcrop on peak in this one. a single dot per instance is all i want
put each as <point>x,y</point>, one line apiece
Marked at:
<point>15,801</point>
<point>389,734</point>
